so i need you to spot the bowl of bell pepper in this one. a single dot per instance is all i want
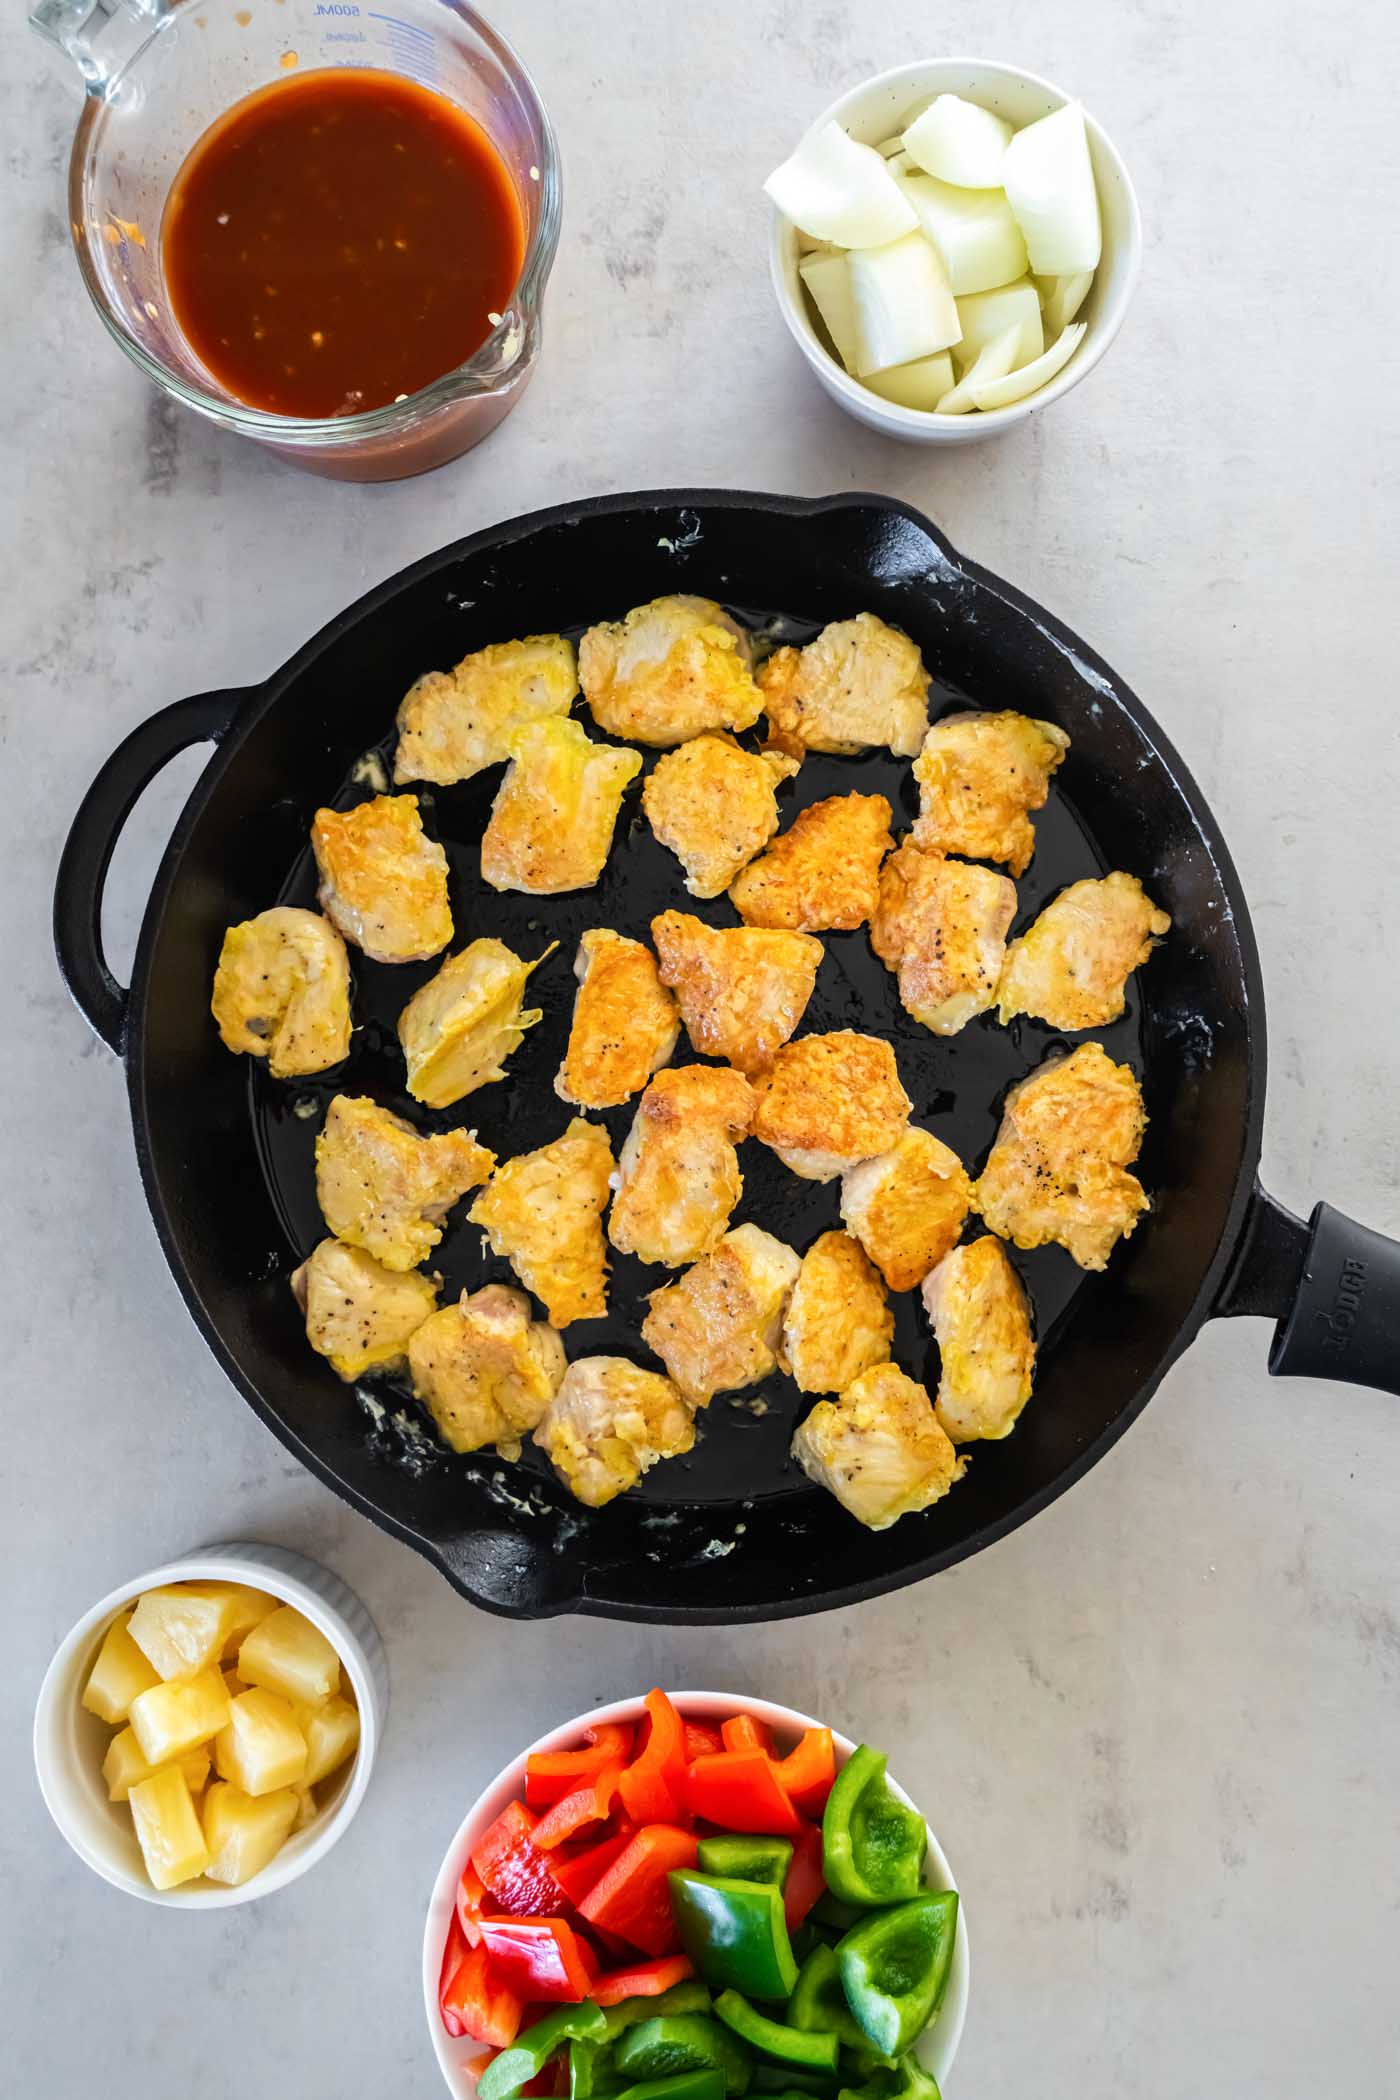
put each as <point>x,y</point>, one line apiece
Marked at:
<point>695,1897</point>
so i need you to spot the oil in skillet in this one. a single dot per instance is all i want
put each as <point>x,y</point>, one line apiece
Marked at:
<point>339,240</point>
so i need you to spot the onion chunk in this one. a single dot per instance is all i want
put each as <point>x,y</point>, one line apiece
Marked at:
<point>1000,393</point>
<point>1061,299</point>
<point>828,282</point>
<point>1049,183</point>
<point>994,361</point>
<point>974,231</point>
<point>837,190</point>
<point>985,315</point>
<point>959,142</point>
<point>919,384</point>
<point>903,306</point>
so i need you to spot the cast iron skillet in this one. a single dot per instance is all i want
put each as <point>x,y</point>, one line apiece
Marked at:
<point>734,1531</point>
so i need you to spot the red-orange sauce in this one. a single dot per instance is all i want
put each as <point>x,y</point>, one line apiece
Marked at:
<point>338,240</point>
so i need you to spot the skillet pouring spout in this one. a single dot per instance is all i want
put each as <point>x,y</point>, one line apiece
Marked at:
<point>1333,1287</point>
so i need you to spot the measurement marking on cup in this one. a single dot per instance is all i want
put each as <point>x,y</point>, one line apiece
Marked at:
<point>397,22</point>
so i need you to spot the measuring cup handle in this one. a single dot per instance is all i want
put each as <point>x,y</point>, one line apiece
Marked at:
<point>98,39</point>
<point>87,855</point>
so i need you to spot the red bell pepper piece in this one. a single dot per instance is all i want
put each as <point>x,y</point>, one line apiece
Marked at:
<point>551,2082</point>
<point>515,1871</point>
<point>746,1732</point>
<point>590,1803</point>
<point>633,1899</point>
<point>471,1999</point>
<point>653,1785</point>
<point>578,1868</point>
<point>471,1899</point>
<point>647,1980</point>
<point>804,1882</point>
<point>808,1772</point>
<point>550,1774</point>
<point>740,1790</point>
<point>541,1959</point>
<point>701,1740</point>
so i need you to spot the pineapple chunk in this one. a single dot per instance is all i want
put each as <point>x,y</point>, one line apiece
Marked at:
<point>167,1828</point>
<point>124,1767</point>
<point>242,1833</point>
<point>287,1654</point>
<point>180,1630</point>
<point>308,1807</point>
<point>262,1747</point>
<point>170,1719</point>
<point>246,1607</point>
<point>120,1673</point>
<point>332,1732</point>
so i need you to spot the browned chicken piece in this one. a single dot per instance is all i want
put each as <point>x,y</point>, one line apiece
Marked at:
<point>678,1173</point>
<point>454,724</point>
<point>485,1370</point>
<point>838,1321</point>
<point>715,805</point>
<point>459,1028</point>
<point>879,1448</point>
<point>941,925</point>
<point>358,1313</point>
<point>1071,967</point>
<point>741,990</point>
<point>543,1211</point>
<point>551,824</point>
<point>719,1327</point>
<point>609,1423</point>
<point>282,991</point>
<point>383,1187</point>
<point>383,880</point>
<point>670,670</point>
<point>1058,1169</point>
<point>859,683</point>
<point>982,1324</point>
<point>823,871</point>
<point>625,1022</point>
<point>829,1101</point>
<point>907,1206</point>
<point>978,777</point>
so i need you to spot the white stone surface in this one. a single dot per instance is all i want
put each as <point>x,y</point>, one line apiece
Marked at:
<point>1156,1728</point>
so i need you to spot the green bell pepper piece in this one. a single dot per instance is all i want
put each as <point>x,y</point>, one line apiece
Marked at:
<point>908,2080</point>
<point>688,1997</point>
<point>737,1857</point>
<point>531,2051</point>
<point>818,2004</point>
<point>872,1845</point>
<point>830,1911</point>
<point>894,1968</point>
<point>735,1932</point>
<point>787,2078</point>
<point>787,2045</point>
<point>590,2070</point>
<point>678,2042</point>
<point>687,2085</point>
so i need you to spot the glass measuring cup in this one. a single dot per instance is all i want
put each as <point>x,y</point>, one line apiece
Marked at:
<point>157,74</point>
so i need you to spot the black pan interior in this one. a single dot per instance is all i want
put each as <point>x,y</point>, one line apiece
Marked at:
<point>734,1527</point>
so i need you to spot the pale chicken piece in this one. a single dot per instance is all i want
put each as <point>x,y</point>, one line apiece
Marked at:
<point>823,871</point>
<point>907,1206</point>
<point>715,805</point>
<point>741,989</point>
<point>1070,968</point>
<point>485,1370</point>
<point>678,1175</point>
<point>453,724</point>
<point>719,1327</point>
<point>543,1211</point>
<point>282,991</point>
<point>670,670</point>
<point>551,824</point>
<point>838,1321</point>
<point>609,1423</point>
<point>941,926</point>
<point>383,1187</point>
<point>383,880</point>
<point>459,1028</point>
<point>979,776</point>
<point>829,1101</point>
<point>982,1324</point>
<point>358,1313</point>
<point>1058,1169</point>
<point>879,1449</point>
<point>625,1023</point>
<point>859,683</point>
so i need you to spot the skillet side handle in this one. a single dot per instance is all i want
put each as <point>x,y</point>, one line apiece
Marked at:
<point>1332,1285</point>
<point>92,839</point>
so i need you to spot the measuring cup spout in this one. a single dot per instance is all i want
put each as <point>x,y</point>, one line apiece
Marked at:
<point>98,37</point>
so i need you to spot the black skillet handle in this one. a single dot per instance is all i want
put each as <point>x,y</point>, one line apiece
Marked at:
<point>1332,1285</point>
<point>87,855</point>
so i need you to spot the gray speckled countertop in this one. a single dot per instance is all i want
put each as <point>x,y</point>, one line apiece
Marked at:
<point>1156,1728</point>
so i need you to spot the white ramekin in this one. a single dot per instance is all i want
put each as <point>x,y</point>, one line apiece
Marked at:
<point>937,2047</point>
<point>69,1742</point>
<point>876,110</point>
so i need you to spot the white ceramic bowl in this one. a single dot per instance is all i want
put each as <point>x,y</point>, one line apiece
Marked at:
<point>69,1742</point>
<point>937,2047</point>
<point>875,111</point>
